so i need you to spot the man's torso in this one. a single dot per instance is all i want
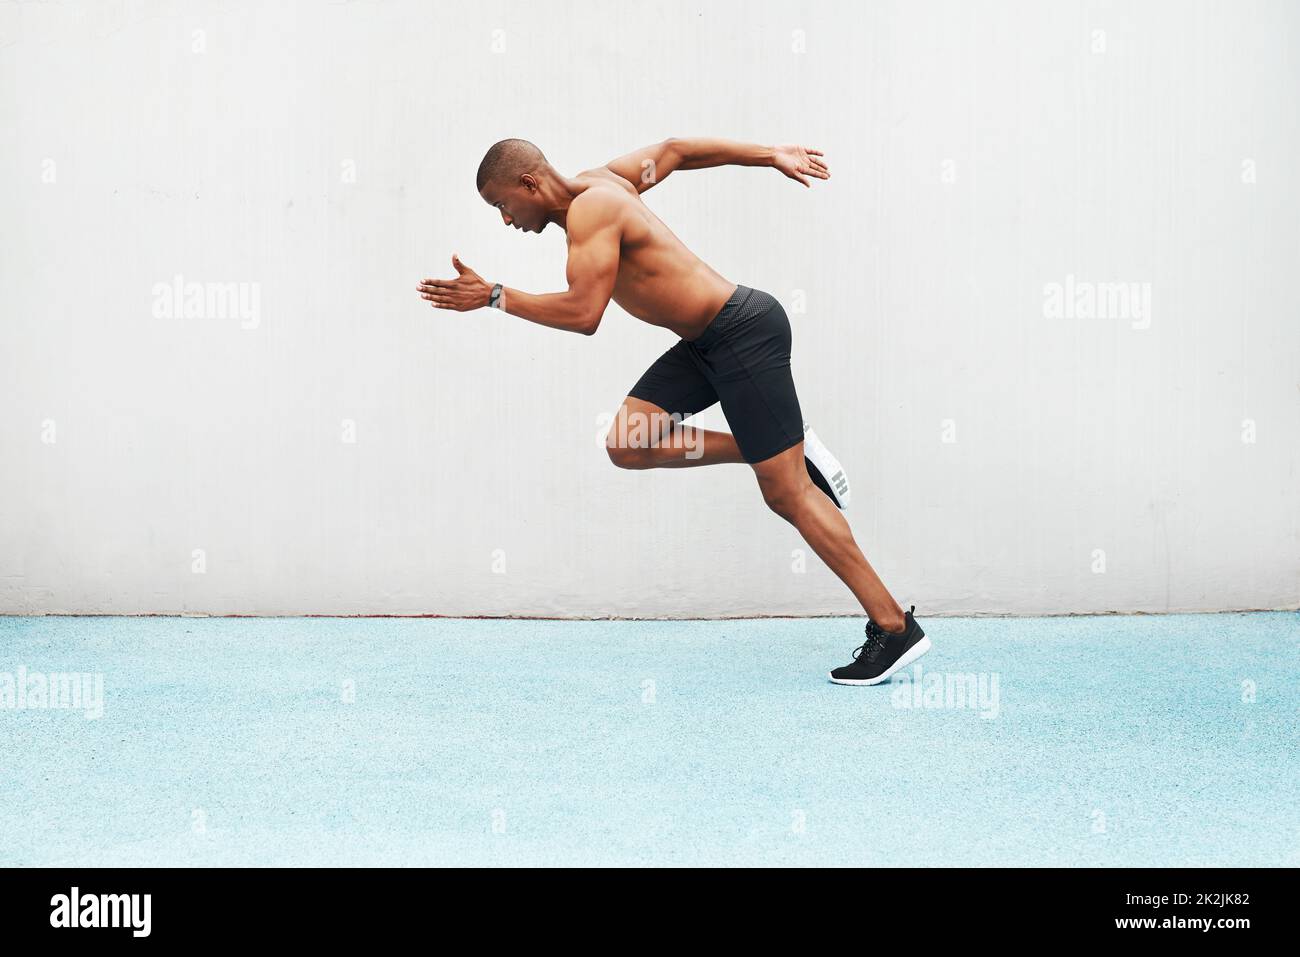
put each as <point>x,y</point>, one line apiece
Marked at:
<point>659,280</point>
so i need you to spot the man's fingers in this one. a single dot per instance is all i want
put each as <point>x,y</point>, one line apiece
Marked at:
<point>808,170</point>
<point>812,152</point>
<point>819,167</point>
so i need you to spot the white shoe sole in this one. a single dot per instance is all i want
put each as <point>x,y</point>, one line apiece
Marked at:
<point>817,453</point>
<point>916,651</point>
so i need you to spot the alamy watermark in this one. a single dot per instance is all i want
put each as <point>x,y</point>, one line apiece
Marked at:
<point>36,690</point>
<point>939,690</point>
<point>179,299</point>
<point>76,909</point>
<point>1083,299</point>
<point>643,430</point>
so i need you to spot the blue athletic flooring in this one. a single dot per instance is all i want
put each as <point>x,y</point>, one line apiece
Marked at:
<point>1112,740</point>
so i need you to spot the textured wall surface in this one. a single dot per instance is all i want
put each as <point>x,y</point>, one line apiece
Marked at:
<point>1046,309</point>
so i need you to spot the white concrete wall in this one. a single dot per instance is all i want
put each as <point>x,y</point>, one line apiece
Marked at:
<point>979,151</point>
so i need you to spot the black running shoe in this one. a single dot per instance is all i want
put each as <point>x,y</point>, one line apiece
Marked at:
<point>882,653</point>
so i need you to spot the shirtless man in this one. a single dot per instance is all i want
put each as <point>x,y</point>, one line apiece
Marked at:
<point>733,348</point>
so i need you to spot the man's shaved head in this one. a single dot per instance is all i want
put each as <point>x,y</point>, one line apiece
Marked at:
<point>507,160</point>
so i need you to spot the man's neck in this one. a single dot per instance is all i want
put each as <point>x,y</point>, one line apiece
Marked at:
<point>558,192</point>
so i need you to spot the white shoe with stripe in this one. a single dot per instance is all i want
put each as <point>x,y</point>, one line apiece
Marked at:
<point>825,469</point>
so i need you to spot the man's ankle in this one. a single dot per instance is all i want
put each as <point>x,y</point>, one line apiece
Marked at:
<point>892,626</point>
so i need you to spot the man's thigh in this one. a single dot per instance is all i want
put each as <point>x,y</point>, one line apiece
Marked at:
<point>750,369</point>
<point>673,388</point>
<point>639,425</point>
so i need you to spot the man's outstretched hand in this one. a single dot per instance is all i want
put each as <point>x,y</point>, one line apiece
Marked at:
<point>467,291</point>
<point>800,162</point>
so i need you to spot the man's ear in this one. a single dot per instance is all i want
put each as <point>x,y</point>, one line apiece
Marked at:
<point>528,182</point>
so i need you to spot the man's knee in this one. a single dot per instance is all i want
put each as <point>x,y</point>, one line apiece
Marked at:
<point>786,499</point>
<point>637,426</point>
<point>628,457</point>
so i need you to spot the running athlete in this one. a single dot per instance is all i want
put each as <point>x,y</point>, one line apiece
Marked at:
<point>733,347</point>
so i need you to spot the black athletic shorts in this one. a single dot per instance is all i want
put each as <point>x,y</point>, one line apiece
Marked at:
<point>742,359</point>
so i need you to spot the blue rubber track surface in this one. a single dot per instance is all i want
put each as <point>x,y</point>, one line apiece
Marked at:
<point>1109,740</point>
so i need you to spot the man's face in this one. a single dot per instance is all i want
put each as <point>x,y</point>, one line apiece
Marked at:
<point>520,204</point>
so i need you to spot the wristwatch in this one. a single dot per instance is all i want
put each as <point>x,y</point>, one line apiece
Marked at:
<point>494,299</point>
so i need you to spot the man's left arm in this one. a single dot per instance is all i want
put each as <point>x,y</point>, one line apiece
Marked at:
<point>649,165</point>
<point>595,234</point>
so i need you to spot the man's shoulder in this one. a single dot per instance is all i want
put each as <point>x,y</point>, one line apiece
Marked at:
<point>598,204</point>
<point>604,176</point>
